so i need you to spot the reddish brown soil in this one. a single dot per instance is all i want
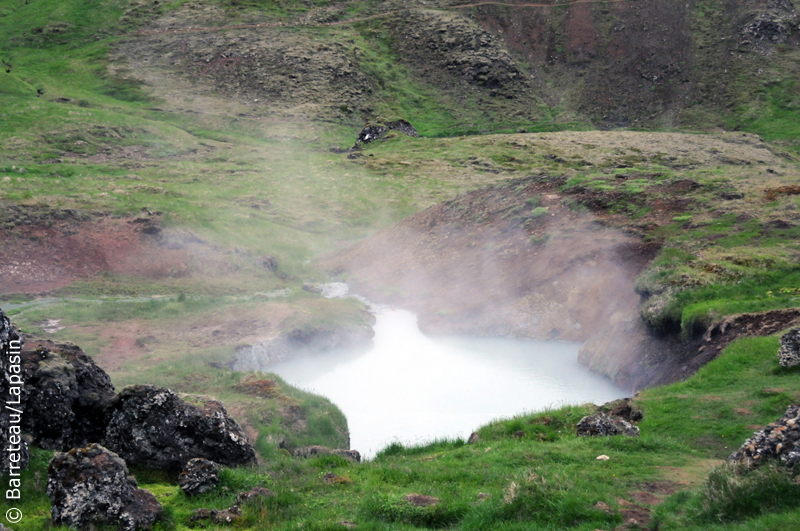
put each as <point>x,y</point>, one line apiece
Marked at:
<point>129,341</point>
<point>38,259</point>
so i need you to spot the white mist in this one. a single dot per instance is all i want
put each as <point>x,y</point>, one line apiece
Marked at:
<point>411,388</point>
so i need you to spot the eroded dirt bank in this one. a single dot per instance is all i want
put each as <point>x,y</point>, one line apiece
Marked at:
<point>482,264</point>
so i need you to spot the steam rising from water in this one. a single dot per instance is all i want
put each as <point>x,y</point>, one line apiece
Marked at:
<point>413,388</point>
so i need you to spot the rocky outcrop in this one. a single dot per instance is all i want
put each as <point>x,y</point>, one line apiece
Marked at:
<point>198,476</point>
<point>152,426</point>
<point>623,408</point>
<point>779,440</point>
<point>90,485</point>
<point>456,45</point>
<point>772,26</point>
<point>65,395</point>
<point>260,356</point>
<point>373,132</point>
<point>315,451</point>
<point>16,456</point>
<point>601,424</point>
<point>789,352</point>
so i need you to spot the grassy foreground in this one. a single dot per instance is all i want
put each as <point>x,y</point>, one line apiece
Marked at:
<point>531,472</point>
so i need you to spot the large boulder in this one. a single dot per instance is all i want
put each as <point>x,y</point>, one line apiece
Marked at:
<point>601,424</point>
<point>154,427</point>
<point>16,455</point>
<point>789,352</point>
<point>779,440</point>
<point>91,485</point>
<point>65,395</point>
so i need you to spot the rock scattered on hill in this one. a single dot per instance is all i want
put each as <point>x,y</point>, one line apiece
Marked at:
<point>152,426</point>
<point>90,485</point>
<point>623,408</point>
<point>198,476</point>
<point>253,494</point>
<point>315,451</point>
<point>779,440</point>
<point>601,424</point>
<point>789,352</point>
<point>372,132</point>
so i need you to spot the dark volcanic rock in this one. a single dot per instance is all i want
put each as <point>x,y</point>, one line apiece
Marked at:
<point>789,353</point>
<point>373,132</point>
<point>623,408</point>
<point>314,451</point>
<point>602,424</point>
<point>370,133</point>
<point>154,427</point>
<point>198,476</point>
<point>773,26</point>
<point>252,494</point>
<point>66,395</point>
<point>62,397</point>
<point>16,455</point>
<point>779,440</point>
<point>403,127</point>
<point>91,485</point>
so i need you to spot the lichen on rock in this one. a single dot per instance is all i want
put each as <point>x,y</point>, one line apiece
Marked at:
<point>154,427</point>
<point>91,485</point>
<point>778,440</point>
<point>600,424</point>
<point>789,351</point>
<point>198,476</point>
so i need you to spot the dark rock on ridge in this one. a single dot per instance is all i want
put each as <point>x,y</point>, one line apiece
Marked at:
<point>789,352</point>
<point>623,408</point>
<point>603,425</point>
<point>198,476</point>
<point>372,132</point>
<point>779,440</point>
<point>152,426</point>
<point>91,485</point>
<point>10,421</point>
<point>314,451</point>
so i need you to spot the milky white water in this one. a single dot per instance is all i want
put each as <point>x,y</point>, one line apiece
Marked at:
<point>412,388</point>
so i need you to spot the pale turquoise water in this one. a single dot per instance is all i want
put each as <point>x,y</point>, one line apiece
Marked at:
<point>413,388</point>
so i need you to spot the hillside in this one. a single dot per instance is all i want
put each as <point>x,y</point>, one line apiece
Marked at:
<point>177,180</point>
